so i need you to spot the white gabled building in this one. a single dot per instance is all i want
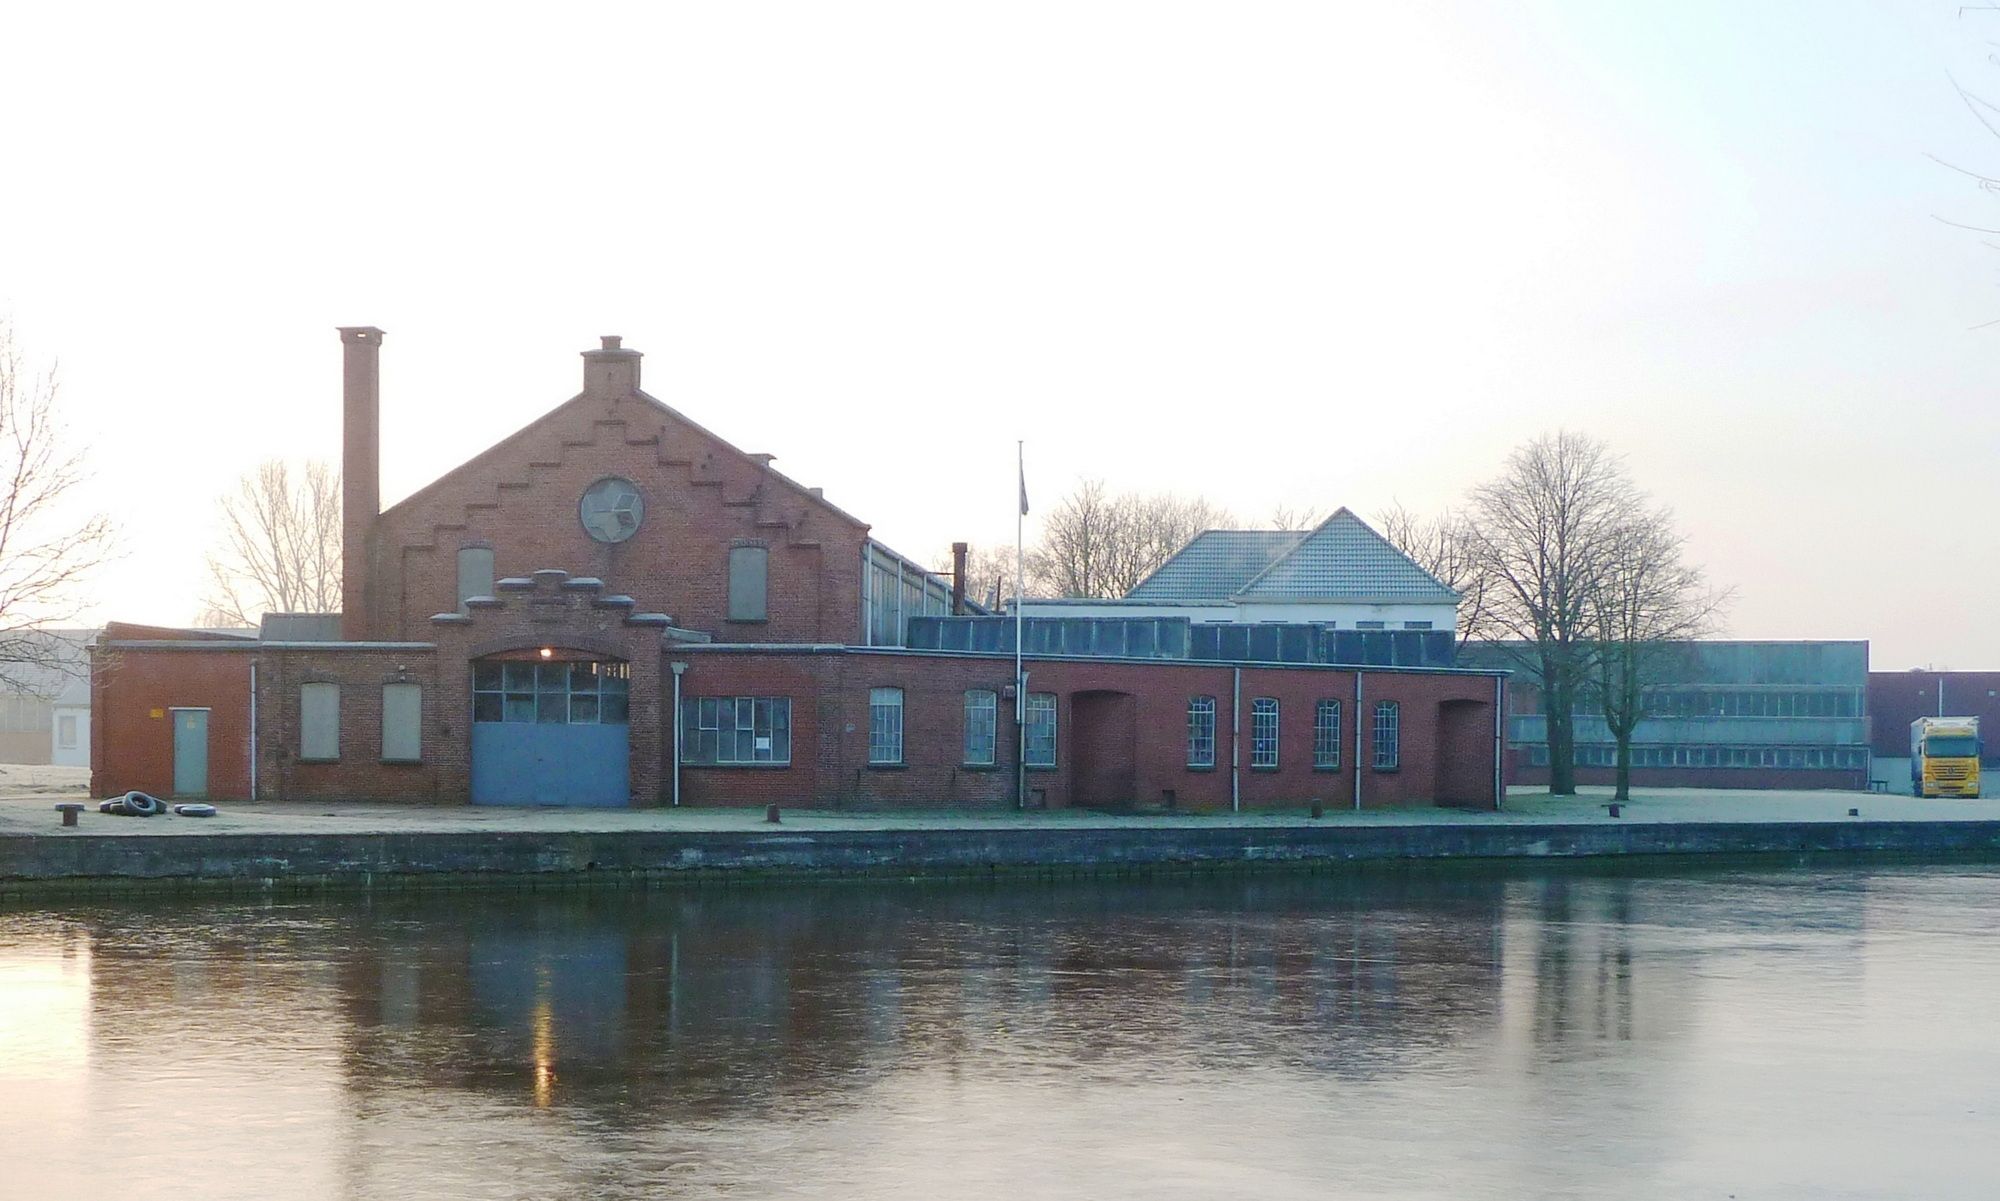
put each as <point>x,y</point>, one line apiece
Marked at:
<point>1341,574</point>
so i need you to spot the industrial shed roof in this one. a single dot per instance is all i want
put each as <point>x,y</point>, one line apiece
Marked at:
<point>1343,558</point>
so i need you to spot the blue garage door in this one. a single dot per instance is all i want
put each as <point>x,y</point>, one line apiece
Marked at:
<point>550,733</point>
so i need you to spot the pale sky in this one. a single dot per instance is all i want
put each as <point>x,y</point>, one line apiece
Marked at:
<point>1321,253</point>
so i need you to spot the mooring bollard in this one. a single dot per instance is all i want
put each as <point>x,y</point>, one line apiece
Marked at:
<point>1854,813</point>
<point>69,810</point>
<point>771,814</point>
<point>1616,810</point>
<point>1318,809</point>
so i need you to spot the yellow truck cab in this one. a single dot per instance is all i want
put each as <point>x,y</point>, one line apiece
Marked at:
<point>1944,756</point>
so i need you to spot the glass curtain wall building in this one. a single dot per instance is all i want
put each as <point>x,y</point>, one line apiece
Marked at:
<point>1722,715</point>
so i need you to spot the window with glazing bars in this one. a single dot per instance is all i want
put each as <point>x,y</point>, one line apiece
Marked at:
<point>1264,732</point>
<point>1041,729</point>
<point>1201,732</point>
<point>885,725</point>
<point>575,693</point>
<point>1326,734</point>
<point>1388,736</point>
<point>982,726</point>
<point>726,730</point>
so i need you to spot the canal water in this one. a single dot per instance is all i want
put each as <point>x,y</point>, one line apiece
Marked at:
<point>1750,1034</point>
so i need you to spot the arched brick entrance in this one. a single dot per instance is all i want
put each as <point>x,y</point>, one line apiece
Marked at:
<point>550,727</point>
<point>1104,755</point>
<point>1464,755</point>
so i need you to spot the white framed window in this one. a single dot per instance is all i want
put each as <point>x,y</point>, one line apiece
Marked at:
<point>1388,736</point>
<point>319,722</point>
<point>1041,729</point>
<point>580,692</point>
<point>982,726</point>
<point>66,732</point>
<point>1264,732</point>
<point>402,723</point>
<point>736,730</point>
<point>1326,735</point>
<point>1201,731</point>
<point>885,725</point>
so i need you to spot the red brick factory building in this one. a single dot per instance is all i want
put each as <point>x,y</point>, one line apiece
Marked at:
<point>613,606</point>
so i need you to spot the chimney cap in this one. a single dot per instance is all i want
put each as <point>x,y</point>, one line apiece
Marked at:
<point>611,347</point>
<point>359,333</point>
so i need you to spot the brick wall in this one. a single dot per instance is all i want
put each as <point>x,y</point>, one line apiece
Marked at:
<point>1127,719</point>
<point>359,774</point>
<point>1439,755</point>
<point>133,694</point>
<point>701,495</point>
<point>1897,698</point>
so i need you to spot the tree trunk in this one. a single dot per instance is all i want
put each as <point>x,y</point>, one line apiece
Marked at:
<point>1559,707</point>
<point>1623,792</point>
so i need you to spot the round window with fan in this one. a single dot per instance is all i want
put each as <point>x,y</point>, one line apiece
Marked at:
<point>611,509</point>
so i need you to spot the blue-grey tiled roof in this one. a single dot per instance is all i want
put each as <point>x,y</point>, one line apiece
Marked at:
<point>1340,560</point>
<point>1215,564</point>
<point>1344,558</point>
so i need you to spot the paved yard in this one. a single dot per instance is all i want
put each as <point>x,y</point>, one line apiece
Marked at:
<point>24,811</point>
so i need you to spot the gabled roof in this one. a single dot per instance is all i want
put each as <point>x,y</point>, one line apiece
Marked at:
<point>1215,565</point>
<point>1341,560</point>
<point>511,446</point>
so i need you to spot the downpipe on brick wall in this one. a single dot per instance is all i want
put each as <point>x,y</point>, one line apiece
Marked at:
<point>253,729</point>
<point>1357,740</point>
<point>1236,743</point>
<point>678,668</point>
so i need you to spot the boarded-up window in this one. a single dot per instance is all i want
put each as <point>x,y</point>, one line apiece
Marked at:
<point>402,723</point>
<point>475,573</point>
<point>319,721</point>
<point>749,570</point>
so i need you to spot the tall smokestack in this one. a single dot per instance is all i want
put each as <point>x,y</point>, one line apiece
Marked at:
<point>360,470</point>
<point>958,553</point>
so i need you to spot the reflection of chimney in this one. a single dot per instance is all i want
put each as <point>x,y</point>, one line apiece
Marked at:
<point>958,551</point>
<point>360,470</point>
<point>611,371</point>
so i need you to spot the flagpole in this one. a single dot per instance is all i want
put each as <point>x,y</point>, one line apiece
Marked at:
<point>1020,677</point>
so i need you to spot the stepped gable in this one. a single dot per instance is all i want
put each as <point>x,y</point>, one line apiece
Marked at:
<point>702,497</point>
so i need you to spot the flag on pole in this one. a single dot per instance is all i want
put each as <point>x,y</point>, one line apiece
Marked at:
<point>1024,483</point>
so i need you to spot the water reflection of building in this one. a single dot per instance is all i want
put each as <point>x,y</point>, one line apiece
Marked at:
<point>687,1004</point>
<point>445,1039</point>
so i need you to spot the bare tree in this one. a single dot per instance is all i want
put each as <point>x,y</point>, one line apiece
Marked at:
<point>1548,531</point>
<point>1447,547</point>
<point>1300,517</point>
<point>280,549</point>
<point>47,549</point>
<point>1156,528</point>
<point>1647,601</point>
<point>1098,544</point>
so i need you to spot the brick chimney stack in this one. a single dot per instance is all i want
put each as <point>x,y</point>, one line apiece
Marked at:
<point>360,469</point>
<point>611,371</point>
<point>958,554</point>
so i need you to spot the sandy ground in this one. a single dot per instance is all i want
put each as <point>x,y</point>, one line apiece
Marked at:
<point>22,813</point>
<point>43,780</point>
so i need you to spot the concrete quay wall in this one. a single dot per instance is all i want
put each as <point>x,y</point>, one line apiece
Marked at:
<point>37,864</point>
